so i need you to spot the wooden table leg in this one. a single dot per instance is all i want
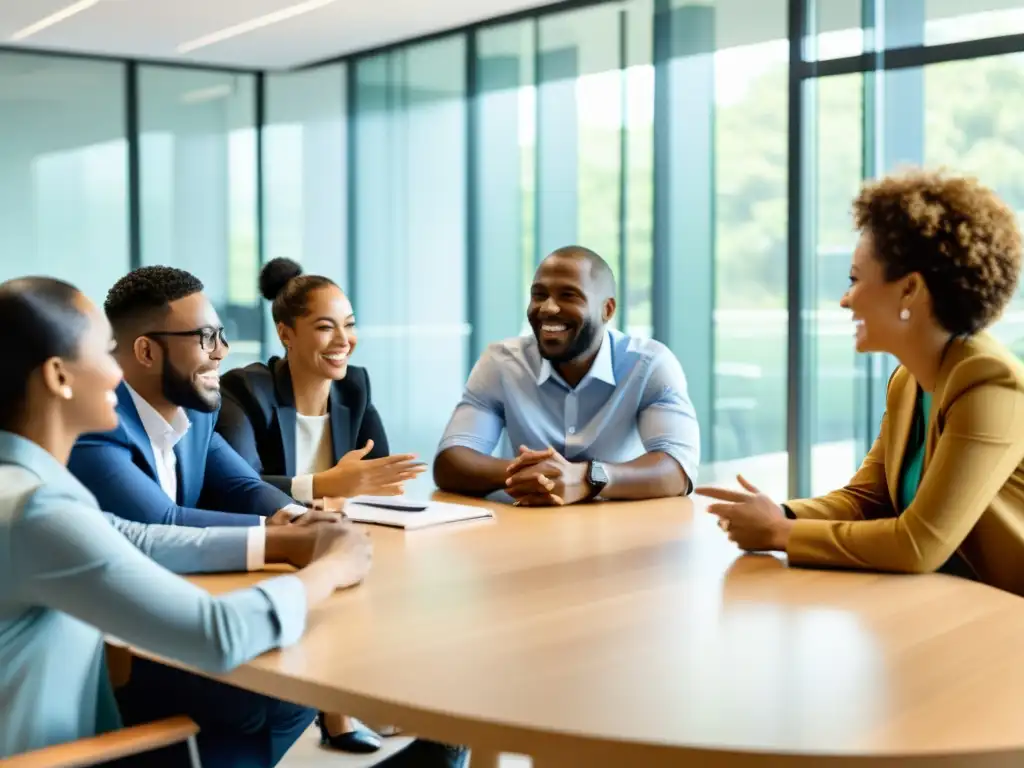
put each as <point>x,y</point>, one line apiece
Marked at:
<point>482,758</point>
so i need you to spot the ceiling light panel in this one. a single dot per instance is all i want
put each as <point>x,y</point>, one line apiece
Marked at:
<point>54,18</point>
<point>259,22</point>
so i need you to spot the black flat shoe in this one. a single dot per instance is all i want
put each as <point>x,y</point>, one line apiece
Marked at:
<point>428,754</point>
<point>361,741</point>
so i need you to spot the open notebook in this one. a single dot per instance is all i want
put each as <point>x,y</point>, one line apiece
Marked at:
<point>400,512</point>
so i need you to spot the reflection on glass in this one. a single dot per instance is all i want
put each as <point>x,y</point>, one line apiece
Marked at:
<point>834,29</point>
<point>973,125</point>
<point>63,171</point>
<point>950,21</point>
<point>579,120</point>
<point>839,28</point>
<point>637,239</point>
<point>751,138</point>
<point>410,235</point>
<point>197,158</point>
<point>304,172</point>
<point>504,185</point>
<point>837,416</point>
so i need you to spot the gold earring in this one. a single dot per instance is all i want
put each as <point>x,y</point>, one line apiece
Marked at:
<point>66,392</point>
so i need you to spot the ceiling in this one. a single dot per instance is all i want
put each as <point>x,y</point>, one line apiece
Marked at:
<point>153,29</point>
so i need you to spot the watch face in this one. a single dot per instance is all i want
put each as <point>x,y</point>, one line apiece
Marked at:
<point>597,474</point>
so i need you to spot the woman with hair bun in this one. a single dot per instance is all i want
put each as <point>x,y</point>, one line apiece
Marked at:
<point>306,422</point>
<point>942,488</point>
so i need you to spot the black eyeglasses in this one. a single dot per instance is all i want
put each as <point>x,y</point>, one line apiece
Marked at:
<point>208,336</point>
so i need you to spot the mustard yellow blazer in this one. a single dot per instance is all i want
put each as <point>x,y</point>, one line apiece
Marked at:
<point>971,496</point>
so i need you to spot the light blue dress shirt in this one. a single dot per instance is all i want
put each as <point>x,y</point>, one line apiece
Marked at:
<point>632,401</point>
<point>70,573</point>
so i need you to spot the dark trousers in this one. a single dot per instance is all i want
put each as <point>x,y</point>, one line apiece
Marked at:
<point>238,729</point>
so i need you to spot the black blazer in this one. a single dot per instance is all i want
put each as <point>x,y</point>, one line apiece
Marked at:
<point>257,417</point>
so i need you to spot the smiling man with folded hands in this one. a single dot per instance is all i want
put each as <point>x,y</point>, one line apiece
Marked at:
<point>596,413</point>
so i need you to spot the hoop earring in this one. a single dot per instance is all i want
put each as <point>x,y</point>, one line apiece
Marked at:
<point>904,314</point>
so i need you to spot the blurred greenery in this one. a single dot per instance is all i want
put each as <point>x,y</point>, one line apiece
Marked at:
<point>972,124</point>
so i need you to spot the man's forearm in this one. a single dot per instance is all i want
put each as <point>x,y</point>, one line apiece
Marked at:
<point>651,476</point>
<point>463,470</point>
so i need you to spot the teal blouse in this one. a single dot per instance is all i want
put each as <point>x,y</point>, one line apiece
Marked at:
<point>910,475</point>
<point>913,456</point>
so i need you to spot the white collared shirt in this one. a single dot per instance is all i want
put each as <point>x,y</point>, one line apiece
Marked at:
<point>313,453</point>
<point>163,437</point>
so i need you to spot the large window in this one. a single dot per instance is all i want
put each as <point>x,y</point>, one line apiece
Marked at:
<point>504,201</point>
<point>409,227</point>
<point>750,163</point>
<point>197,176</point>
<point>636,196</point>
<point>958,115</point>
<point>720,226</point>
<point>304,147</point>
<point>948,21</point>
<point>563,154</point>
<point>594,144</point>
<point>63,170</point>
<point>837,431</point>
<point>971,122</point>
<point>579,122</point>
<point>849,27</point>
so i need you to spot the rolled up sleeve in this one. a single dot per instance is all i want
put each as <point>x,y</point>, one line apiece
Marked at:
<point>479,418</point>
<point>667,420</point>
<point>287,596</point>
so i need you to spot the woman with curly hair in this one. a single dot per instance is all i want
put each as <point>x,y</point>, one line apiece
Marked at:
<point>942,488</point>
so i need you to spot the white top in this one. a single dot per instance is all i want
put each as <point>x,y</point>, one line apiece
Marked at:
<point>162,438</point>
<point>313,453</point>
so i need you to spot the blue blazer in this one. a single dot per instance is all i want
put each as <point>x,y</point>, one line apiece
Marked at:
<point>119,468</point>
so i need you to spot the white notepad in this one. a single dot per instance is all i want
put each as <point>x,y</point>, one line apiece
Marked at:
<point>390,502</point>
<point>399,512</point>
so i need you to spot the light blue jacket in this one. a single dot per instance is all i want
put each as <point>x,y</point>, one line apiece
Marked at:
<point>69,574</point>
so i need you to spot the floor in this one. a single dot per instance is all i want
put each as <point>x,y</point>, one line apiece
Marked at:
<point>307,754</point>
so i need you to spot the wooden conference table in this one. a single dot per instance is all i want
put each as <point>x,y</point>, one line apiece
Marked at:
<point>637,635</point>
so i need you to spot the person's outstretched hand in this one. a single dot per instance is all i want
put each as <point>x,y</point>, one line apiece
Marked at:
<point>355,475</point>
<point>751,519</point>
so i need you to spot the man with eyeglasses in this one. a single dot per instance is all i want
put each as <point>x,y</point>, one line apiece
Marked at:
<point>165,464</point>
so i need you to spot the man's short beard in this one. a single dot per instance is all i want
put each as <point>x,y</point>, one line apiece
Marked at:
<point>578,346</point>
<point>182,391</point>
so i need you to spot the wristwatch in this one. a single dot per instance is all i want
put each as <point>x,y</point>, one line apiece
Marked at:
<point>597,478</point>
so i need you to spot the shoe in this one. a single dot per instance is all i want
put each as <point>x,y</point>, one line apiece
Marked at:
<point>360,741</point>
<point>428,754</point>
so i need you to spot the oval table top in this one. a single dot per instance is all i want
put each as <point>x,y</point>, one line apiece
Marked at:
<point>637,634</point>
